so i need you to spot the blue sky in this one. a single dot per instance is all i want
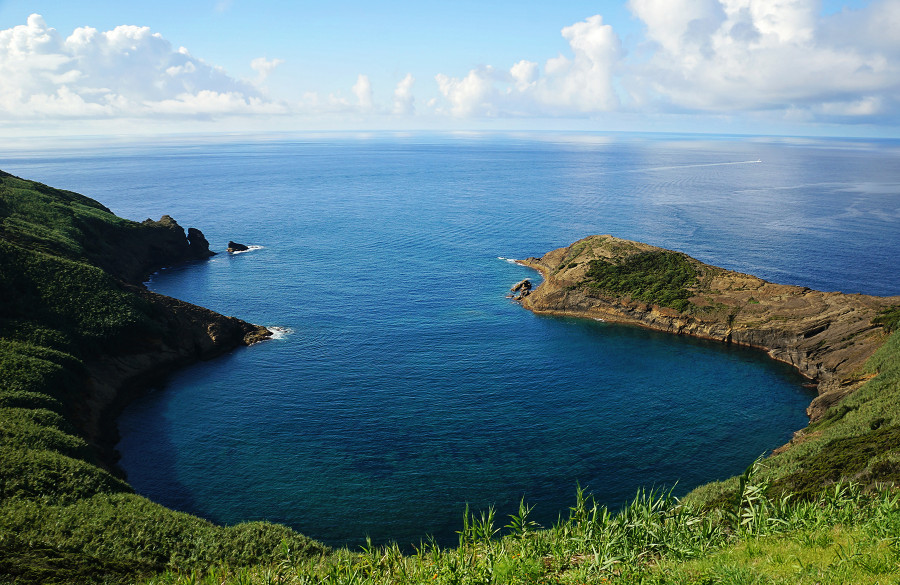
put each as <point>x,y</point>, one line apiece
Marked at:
<point>740,66</point>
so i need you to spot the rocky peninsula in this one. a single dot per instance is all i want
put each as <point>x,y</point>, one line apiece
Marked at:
<point>827,336</point>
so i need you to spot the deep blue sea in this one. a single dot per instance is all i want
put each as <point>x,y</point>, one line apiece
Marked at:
<point>405,383</point>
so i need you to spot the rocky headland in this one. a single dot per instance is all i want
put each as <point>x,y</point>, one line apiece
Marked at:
<point>56,246</point>
<point>187,334</point>
<point>184,333</point>
<point>827,336</point>
<point>81,336</point>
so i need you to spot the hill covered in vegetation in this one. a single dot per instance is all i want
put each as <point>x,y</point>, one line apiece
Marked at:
<point>79,335</point>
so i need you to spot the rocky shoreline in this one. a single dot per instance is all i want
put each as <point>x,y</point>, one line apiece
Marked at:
<point>827,336</point>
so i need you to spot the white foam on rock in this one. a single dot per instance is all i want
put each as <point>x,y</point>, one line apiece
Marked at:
<point>279,332</point>
<point>249,249</point>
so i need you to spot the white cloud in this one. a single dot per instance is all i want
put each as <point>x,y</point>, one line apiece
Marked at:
<point>867,106</point>
<point>362,89</point>
<point>473,95</point>
<point>586,82</point>
<point>525,74</point>
<point>404,101</point>
<point>264,68</point>
<point>720,57</point>
<point>733,56</point>
<point>576,85</point>
<point>780,59</point>
<point>125,72</point>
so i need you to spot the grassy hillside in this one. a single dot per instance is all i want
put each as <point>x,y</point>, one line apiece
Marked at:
<point>63,517</point>
<point>823,511</point>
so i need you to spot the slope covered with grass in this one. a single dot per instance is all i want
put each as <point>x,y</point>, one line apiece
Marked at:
<point>67,279</point>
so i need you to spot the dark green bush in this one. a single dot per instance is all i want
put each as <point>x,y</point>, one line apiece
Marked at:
<point>659,277</point>
<point>889,319</point>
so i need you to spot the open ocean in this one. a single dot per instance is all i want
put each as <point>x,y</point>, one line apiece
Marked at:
<point>405,384</point>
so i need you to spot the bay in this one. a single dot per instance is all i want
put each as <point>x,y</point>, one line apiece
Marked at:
<point>407,385</point>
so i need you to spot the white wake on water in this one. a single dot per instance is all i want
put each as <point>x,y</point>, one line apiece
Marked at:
<point>675,167</point>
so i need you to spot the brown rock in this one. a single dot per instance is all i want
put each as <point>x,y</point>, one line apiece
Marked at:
<point>827,336</point>
<point>522,285</point>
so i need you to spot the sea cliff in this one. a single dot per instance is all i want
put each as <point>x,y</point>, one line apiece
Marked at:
<point>80,336</point>
<point>827,336</point>
<point>66,234</point>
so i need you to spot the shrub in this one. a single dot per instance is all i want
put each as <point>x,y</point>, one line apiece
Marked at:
<point>660,277</point>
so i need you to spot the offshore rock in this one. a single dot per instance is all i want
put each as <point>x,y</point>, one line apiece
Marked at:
<point>522,285</point>
<point>827,336</point>
<point>236,247</point>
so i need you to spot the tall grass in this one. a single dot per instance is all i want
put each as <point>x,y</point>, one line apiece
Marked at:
<point>845,533</point>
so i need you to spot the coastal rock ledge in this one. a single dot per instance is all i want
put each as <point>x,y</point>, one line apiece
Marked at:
<point>827,336</point>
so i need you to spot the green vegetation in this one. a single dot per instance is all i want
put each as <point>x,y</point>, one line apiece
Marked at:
<point>889,318</point>
<point>659,277</point>
<point>845,535</point>
<point>64,518</point>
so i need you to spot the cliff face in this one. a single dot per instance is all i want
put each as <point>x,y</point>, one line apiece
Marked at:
<point>131,255</point>
<point>827,336</point>
<point>70,275</point>
<point>185,334</point>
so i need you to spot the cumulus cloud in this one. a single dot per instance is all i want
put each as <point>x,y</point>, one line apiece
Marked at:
<point>404,101</point>
<point>585,83</point>
<point>775,58</point>
<point>769,55</point>
<point>781,57</point>
<point>264,68</point>
<point>580,83</point>
<point>125,72</point>
<point>362,89</point>
<point>474,94</point>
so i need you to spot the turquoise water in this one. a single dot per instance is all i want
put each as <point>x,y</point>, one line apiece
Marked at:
<point>407,385</point>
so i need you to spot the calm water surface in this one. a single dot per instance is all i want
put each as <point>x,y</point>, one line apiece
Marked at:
<point>407,384</point>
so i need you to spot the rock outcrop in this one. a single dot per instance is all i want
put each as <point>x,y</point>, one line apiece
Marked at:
<point>132,251</point>
<point>827,336</point>
<point>236,247</point>
<point>522,287</point>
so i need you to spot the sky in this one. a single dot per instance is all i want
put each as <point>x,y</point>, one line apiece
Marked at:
<point>795,67</point>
